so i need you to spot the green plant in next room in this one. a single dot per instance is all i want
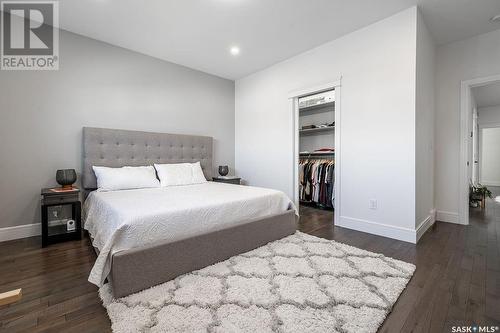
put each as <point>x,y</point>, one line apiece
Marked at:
<point>482,191</point>
<point>478,193</point>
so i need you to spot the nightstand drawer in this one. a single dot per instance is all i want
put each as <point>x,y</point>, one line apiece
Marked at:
<point>56,199</point>
<point>235,180</point>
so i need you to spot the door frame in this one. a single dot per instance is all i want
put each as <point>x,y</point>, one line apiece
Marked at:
<point>294,98</point>
<point>475,145</point>
<point>465,128</point>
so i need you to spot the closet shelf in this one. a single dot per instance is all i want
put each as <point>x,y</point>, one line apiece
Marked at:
<point>317,106</point>
<point>314,130</point>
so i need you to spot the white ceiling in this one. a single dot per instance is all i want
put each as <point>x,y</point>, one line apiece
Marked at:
<point>199,33</point>
<point>488,95</point>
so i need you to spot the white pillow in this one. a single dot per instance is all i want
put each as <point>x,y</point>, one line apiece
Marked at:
<point>124,178</point>
<point>198,176</point>
<point>180,174</point>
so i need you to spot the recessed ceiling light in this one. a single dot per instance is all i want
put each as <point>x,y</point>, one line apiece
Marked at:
<point>235,50</point>
<point>495,18</point>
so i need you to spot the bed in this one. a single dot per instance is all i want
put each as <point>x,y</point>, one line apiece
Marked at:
<point>144,237</point>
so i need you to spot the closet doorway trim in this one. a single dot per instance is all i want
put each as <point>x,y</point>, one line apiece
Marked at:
<point>294,98</point>
<point>465,155</point>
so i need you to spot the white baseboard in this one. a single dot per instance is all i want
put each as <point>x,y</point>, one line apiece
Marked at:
<point>20,231</point>
<point>426,224</point>
<point>380,229</point>
<point>450,217</point>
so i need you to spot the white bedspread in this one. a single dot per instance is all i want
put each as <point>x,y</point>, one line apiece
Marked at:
<point>121,220</point>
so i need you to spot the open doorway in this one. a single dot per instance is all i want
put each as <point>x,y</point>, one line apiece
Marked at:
<point>480,152</point>
<point>316,114</point>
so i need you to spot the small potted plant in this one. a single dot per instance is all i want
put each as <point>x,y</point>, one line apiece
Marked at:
<point>478,193</point>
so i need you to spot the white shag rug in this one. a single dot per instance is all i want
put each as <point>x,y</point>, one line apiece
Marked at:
<point>300,283</point>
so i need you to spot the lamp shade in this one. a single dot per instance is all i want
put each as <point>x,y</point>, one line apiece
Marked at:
<point>66,177</point>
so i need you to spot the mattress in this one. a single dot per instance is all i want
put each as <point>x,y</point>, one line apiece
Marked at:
<point>123,220</point>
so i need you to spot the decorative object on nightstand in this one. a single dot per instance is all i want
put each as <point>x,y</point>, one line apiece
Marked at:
<point>227,180</point>
<point>223,170</point>
<point>66,178</point>
<point>61,215</point>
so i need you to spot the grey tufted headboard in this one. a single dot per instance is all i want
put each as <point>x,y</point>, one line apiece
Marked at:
<point>117,148</point>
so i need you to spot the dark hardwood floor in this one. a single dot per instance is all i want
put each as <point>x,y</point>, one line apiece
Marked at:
<point>457,281</point>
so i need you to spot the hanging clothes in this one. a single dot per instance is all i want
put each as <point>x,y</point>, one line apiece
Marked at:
<point>316,181</point>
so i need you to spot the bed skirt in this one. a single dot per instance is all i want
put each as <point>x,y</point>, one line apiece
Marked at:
<point>140,268</point>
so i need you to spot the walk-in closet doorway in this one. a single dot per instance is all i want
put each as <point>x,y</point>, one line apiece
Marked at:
<point>317,147</point>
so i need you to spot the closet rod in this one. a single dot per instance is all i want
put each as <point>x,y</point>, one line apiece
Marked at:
<point>332,154</point>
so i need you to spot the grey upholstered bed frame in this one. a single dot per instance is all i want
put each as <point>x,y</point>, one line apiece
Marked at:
<point>139,268</point>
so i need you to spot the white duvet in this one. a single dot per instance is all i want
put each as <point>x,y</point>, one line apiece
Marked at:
<point>121,220</point>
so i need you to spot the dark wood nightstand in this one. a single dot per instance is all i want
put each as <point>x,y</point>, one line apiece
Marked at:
<point>61,216</point>
<point>227,180</point>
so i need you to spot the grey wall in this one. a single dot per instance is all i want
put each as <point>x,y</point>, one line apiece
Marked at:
<point>489,116</point>
<point>42,114</point>
<point>466,59</point>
